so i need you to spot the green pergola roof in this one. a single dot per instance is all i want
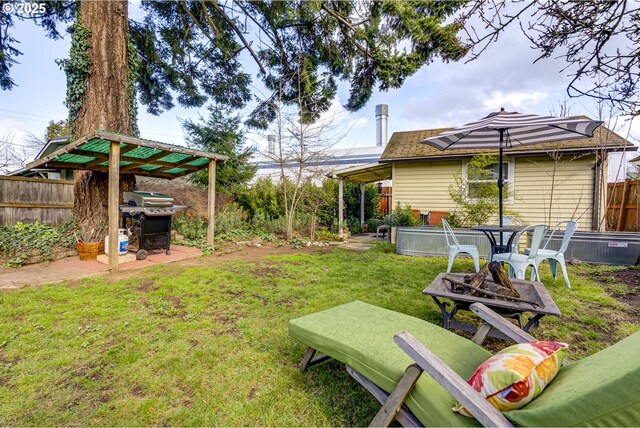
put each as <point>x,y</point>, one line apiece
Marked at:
<point>137,156</point>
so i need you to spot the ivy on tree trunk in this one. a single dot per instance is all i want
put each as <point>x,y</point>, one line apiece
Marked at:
<point>104,102</point>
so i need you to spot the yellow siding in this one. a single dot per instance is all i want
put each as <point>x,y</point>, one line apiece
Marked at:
<point>572,191</point>
<point>424,186</point>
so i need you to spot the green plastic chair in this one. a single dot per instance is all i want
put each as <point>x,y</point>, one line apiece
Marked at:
<point>387,352</point>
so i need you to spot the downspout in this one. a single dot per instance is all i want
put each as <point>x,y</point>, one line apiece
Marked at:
<point>597,172</point>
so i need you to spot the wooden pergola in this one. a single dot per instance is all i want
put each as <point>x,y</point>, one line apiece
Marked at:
<point>114,153</point>
<point>362,174</point>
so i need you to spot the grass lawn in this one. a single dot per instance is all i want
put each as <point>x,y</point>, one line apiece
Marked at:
<point>208,345</point>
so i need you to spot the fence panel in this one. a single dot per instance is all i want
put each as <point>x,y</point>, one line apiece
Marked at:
<point>623,211</point>
<point>35,199</point>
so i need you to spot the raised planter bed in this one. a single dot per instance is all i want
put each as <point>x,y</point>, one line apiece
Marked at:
<point>613,248</point>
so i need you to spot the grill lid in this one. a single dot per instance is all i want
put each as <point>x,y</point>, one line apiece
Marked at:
<point>147,199</point>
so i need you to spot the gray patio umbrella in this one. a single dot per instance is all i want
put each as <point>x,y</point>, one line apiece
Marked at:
<point>511,129</point>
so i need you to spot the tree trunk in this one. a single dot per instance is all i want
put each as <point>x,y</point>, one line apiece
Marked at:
<point>105,105</point>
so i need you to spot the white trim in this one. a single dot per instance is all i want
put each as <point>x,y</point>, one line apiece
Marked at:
<point>510,178</point>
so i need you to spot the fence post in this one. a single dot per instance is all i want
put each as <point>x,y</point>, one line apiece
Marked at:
<point>622,214</point>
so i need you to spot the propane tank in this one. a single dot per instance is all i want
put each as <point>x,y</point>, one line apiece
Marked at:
<point>123,243</point>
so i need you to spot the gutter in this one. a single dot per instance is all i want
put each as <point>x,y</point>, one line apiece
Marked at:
<point>597,174</point>
<point>629,148</point>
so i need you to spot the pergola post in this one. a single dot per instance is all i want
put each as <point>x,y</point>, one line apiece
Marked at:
<point>114,193</point>
<point>212,202</point>
<point>361,206</point>
<point>340,207</point>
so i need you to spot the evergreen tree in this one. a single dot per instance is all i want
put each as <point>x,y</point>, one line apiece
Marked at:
<point>221,133</point>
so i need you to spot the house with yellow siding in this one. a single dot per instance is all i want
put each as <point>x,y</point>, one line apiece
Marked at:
<point>551,182</point>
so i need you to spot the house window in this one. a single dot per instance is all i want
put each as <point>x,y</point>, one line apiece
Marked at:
<point>477,180</point>
<point>53,175</point>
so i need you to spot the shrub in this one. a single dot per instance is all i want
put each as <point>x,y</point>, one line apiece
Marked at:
<point>192,229</point>
<point>373,223</point>
<point>329,212</point>
<point>263,199</point>
<point>230,218</point>
<point>401,216</point>
<point>325,235</point>
<point>479,209</point>
<point>354,225</point>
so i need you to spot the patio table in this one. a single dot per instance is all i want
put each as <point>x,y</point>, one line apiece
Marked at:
<point>489,232</point>
<point>450,302</point>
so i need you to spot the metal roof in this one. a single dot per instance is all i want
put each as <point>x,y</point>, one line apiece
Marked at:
<point>137,156</point>
<point>368,173</point>
<point>54,144</point>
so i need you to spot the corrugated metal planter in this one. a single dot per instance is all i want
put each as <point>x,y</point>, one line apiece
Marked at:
<point>615,248</point>
<point>612,248</point>
<point>430,241</point>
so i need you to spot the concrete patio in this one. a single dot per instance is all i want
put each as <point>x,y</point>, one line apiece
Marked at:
<point>73,268</point>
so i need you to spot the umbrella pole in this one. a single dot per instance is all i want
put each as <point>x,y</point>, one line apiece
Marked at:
<point>500,184</point>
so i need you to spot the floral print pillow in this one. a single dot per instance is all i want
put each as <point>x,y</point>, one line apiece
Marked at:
<point>516,375</point>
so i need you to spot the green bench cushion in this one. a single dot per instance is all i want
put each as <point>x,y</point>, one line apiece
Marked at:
<point>600,390</point>
<point>361,335</point>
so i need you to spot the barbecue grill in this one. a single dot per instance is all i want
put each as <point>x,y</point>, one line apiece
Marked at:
<point>150,214</point>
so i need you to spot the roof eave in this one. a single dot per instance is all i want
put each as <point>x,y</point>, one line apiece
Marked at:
<point>629,148</point>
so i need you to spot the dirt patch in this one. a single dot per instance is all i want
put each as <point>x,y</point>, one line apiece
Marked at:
<point>266,272</point>
<point>138,391</point>
<point>630,277</point>
<point>166,306</point>
<point>225,319</point>
<point>284,302</point>
<point>232,293</point>
<point>623,285</point>
<point>264,300</point>
<point>249,254</point>
<point>147,286</point>
<point>176,301</point>
<point>34,276</point>
<point>252,393</point>
<point>233,332</point>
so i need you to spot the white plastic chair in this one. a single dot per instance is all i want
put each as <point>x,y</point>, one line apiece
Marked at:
<point>556,256</point>
<point>455,248</point>
<point>520,262</point>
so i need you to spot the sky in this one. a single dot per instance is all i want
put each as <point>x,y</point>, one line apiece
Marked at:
<point>439,95</point>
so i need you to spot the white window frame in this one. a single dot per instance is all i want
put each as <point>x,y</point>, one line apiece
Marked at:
<point>510,180</point>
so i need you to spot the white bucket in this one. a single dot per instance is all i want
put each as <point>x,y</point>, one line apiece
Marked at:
<point>123,243</point>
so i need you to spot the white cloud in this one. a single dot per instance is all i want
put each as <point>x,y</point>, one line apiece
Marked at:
<point>360,122</point>
<point>514,99</point>
<point>13,130</point>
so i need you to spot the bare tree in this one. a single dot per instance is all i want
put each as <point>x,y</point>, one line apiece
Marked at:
<point>599,40</point>
<point>301,153</point>
<point>12,155</point>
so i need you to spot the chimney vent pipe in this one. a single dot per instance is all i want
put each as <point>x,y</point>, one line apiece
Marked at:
<point>382,116</point>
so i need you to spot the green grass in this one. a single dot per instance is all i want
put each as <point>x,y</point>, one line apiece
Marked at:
<point>209,345</point>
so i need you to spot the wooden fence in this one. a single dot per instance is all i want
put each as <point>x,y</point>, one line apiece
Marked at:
<point>623,209</point>
<point>35,199</point>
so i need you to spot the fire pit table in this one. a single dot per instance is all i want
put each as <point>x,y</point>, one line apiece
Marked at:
<point>450,302</point>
